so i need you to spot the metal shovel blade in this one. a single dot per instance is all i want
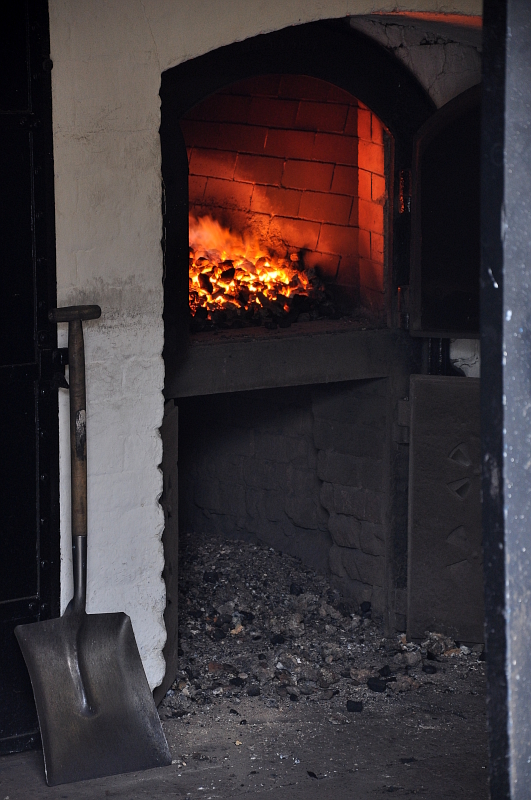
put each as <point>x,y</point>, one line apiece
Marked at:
<point>96,713</point>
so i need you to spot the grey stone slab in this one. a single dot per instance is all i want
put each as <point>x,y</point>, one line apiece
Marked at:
<point>303,512</point>
<point>273,447</point>
<point>343,437</point>
<point>255,502</point>
<point>275,505</point>
<point>375,503</point>
<point>207,495</point>
<point>327,496</point>
<point>445,572</point>
<point>378,600</point>
<point>358,566</point>
<point>349,559</point>
<point>262,474</point>
<point>370,568</point>
<point>363,505</point>
<point>336,562</point>
<point>345,530</point>
<point>348,404</point>
<point>373,529</point>
<point>349,500</point>
<point>232,498</point>
<point>236,441</point>
<point>369,542</point>
<point>338,468</point>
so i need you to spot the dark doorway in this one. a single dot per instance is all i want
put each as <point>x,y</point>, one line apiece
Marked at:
<point>29,543</point>
<point>446,220</point>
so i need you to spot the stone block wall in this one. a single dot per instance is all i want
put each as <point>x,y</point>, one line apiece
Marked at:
<point>350,433</point>
<point>301,469</point>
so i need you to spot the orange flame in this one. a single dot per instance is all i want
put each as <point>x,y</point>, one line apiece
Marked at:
<point>235,274</point>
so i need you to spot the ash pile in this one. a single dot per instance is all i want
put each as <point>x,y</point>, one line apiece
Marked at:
<point>256,624</point>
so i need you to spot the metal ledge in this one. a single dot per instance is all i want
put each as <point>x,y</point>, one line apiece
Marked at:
<point>219,364</point>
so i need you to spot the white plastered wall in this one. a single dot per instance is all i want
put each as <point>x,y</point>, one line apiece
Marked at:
<point>108,57</point>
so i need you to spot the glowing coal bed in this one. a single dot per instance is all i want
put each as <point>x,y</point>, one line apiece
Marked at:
<point>236,282</point>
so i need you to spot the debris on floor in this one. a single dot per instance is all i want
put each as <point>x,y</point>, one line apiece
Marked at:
<point>256,624</point>
<point>286,690</point>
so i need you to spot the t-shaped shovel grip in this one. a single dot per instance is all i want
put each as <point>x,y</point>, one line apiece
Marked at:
<point>78,436</point>
<point>73,313</point>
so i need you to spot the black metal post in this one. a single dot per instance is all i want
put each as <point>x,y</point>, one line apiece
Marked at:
<point>506,390</point>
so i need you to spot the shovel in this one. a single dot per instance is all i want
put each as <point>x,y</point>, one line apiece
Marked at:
<point>96,713</point>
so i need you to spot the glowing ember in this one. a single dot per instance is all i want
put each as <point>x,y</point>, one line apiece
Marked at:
<point>233,282</point>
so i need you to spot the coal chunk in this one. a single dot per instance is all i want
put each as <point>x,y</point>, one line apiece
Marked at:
<point>237,681</point>
<point>205,283</point>
<point>429,669</point>
<point>253,691</point>
<point>301,303</point>
<point>179,712</point>
<point>377,685</point>
<point>385,671</point>
<point>277,638</point>
<point>295,589</point>
<point>365,609</point>
<point>343,609</point>
<point>227,274</point>
<point>210,577</point>
<point>354,705</point>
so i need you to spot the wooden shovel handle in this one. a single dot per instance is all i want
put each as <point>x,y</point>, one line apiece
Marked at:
<point>78,438</point>
<point>78,427</point>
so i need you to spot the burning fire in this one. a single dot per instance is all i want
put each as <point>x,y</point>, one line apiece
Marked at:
<point>233,281</point>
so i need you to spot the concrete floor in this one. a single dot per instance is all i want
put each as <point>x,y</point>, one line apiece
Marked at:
<point>434,746</point>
